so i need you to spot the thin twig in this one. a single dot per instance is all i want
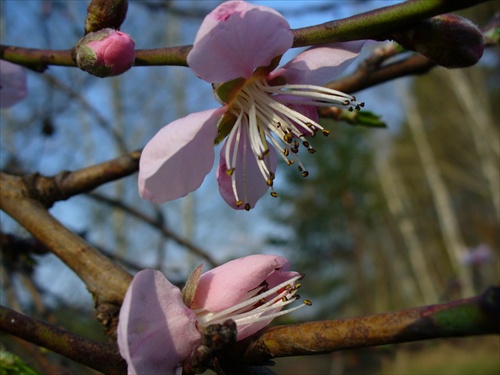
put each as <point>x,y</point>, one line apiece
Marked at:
<point>376,24</point>
<point>155,224</point>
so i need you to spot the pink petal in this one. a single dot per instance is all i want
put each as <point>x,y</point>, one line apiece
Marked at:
<point>235,39</point>
<point>250,183</point>
<point>319,65</point>
<point>228,284</point>
<point>156,331</point>
<point>177,159</point>
<point>12,84</point>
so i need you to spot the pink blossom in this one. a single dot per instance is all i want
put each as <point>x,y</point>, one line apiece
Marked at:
<point>157,331</point>
<point>105,53</point>
<point>12,84</point>
<point>266,112</point>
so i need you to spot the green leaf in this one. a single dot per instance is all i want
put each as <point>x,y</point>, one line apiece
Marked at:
<point>11,364</point>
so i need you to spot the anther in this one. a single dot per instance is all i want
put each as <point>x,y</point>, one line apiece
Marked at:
<point>247,206</point>
<point>274,194</point>
<point>311,150</point>
<point>230,171</point>
<point>306,144</point>
<point>239,203</point>
<point>305,174</point>
<point>269,182</point>
<point>325,132</point>
<point>294,150</point>
<point>286,152</point>
<point>307,302</point>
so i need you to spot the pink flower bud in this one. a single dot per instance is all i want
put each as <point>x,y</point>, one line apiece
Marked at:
<point>448,40</point>
<point>105,53</point>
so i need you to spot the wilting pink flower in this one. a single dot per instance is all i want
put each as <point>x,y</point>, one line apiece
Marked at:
<point>105,53</point>
<point>157,331</point>
<point>12,84</point>
<point>266,111</point>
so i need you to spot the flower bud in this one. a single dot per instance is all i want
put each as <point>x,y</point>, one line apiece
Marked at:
<point>105,13</point>
<point>105,53</point>
<point>448,40</point>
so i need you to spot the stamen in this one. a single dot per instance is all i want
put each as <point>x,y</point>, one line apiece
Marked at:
<point>266,116</point>
<point>210,318</point>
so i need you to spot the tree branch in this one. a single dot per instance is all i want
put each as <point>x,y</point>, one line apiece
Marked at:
<point>64,185</point>
<point>105,280</point>
<point>374,24</point>
<point>102,357</point>
<point>467,317</point>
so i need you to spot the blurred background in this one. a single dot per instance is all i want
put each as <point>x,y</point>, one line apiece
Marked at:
<point>388,218</point>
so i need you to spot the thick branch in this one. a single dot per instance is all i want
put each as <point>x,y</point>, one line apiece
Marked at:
<point>106,281</point>
<point>472,316</point>
<point>99,356</point>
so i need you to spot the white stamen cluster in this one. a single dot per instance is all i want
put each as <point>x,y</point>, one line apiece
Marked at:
<point>260,304</point>
<point>264,115</point>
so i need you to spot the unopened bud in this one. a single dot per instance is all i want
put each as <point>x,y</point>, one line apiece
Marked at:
<point>105,53</point>
<point>12,84</point>
<point>448,40</point>
<point>102,14</point>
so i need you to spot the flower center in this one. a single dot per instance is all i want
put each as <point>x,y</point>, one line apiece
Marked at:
<point>280,117</point>
<point>260,304</point>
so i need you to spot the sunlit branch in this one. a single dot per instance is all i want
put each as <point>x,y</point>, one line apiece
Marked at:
<point>155,224</point>
<point>467,317</point>
<point>376,24</point>
<point>102,357</point>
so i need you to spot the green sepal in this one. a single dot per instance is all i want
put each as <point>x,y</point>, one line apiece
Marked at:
<point>225,91</point>
<point>189,289</point>
<point>362,118</point>
<point>224,127</point>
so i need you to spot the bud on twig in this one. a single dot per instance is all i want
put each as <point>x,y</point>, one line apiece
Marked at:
<point>105,13</point>
<point>105,53</point>
<point>448,40</point>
